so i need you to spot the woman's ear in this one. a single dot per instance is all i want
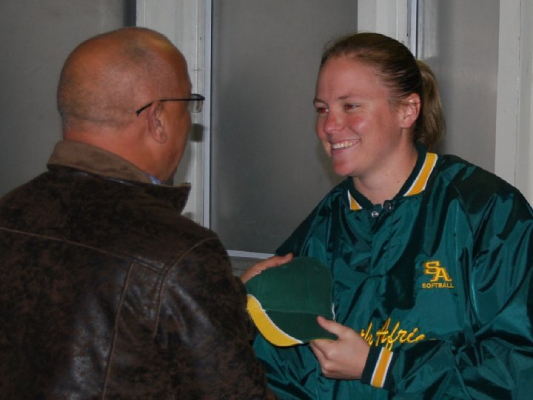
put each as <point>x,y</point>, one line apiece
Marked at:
<point>156,123</point>
<point>409,110</point>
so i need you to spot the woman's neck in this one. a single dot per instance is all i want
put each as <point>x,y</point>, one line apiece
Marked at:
<point>387,183</point>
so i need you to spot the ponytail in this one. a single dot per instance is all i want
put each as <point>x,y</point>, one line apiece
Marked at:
<point>430,126</point>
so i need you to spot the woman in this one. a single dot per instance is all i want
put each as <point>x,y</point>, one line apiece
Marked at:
<point>431,256</point>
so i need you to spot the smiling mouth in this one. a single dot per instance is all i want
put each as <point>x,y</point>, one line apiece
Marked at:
<point>341,145</point>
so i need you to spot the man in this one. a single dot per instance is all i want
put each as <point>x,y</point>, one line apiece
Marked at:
<point>106,290</point>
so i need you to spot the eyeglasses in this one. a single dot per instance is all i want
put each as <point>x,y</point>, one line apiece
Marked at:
<point>195,103</point>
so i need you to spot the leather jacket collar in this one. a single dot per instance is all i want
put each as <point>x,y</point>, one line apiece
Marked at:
<point>84,158</point>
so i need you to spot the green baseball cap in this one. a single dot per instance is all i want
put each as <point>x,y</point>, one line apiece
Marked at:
<point>285,301</point>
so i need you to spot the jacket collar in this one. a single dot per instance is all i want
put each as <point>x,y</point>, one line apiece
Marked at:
<point>415,184</point>
<point>96,161</point>
<point>93,160</point>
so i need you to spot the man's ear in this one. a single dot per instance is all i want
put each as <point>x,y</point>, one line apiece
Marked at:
<point>409,110</point>
<point>157,123</point>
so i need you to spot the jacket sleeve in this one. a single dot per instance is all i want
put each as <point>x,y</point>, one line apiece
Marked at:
<point>495,360</point>
<point>204,329</point>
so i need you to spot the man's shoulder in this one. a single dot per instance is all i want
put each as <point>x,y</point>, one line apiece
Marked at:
<point>122,218</point>
<point>148,222</point>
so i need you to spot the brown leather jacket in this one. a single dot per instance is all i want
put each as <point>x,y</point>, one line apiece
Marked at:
<point>107,291</point>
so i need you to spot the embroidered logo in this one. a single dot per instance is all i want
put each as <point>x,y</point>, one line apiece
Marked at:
<point>440,277</point>
<point>388,335</point>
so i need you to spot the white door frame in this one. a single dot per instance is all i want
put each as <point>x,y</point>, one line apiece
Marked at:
<point>187,24</point>
<point>396,19</point>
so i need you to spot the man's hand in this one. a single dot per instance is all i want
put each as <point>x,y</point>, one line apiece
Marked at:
<point>343,358</point>
<point>256,269</point>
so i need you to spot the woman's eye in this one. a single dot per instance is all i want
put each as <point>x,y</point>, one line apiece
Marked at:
<point>349,107</point>
<point>321,110</point>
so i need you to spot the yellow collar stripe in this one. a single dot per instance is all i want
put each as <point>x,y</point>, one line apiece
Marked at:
<point>354,205</point>
<point>423,176</point>
<point>418,185</point>
<point>267,327</point>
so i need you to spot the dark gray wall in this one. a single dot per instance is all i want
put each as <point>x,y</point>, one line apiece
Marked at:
<point>268,168</point>
<point>35,38</point>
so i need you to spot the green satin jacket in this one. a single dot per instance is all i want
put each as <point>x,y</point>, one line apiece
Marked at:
<point>437,280</point>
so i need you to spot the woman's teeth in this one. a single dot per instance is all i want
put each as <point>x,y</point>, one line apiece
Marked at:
<point>341,145</point>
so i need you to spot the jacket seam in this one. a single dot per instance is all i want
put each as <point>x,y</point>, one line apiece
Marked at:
<point>115,330</point>
<point>164,280</point>
<point>125,257</point>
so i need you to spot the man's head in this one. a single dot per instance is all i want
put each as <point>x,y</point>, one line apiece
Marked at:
<point>107,78</point>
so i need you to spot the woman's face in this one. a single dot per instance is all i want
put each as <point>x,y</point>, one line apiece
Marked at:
<point>360,130</point>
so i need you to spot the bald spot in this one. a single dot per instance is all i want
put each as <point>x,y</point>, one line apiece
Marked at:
<point>106,78</point>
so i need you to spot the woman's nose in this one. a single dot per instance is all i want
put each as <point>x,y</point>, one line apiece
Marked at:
<point>332,123</point>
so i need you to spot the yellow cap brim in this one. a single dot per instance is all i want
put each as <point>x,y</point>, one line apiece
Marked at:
<point>267,327</point>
